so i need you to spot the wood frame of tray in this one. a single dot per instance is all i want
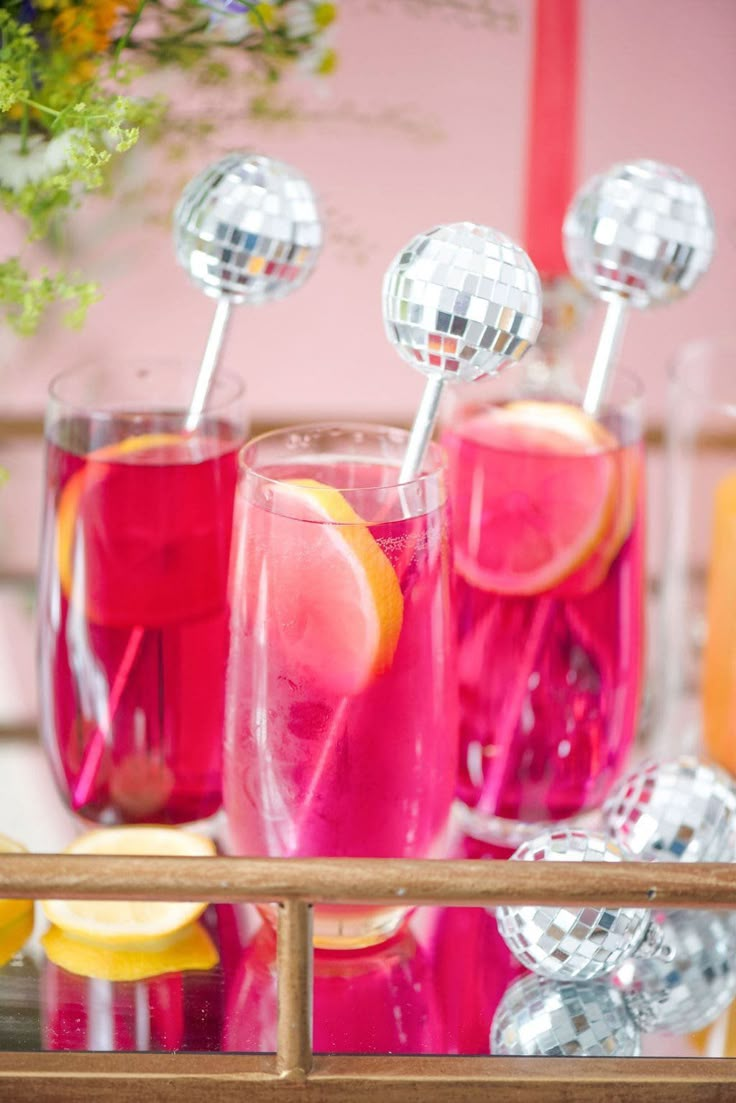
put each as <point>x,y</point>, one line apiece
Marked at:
<point>294,1072</point>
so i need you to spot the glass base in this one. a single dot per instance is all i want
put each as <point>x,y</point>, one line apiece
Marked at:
<point>508,834</point>
<point>349,928</point>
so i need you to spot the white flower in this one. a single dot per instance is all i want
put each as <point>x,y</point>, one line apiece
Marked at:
<point>42,157</point>
<point>299,19</point>
<point>231,27</point>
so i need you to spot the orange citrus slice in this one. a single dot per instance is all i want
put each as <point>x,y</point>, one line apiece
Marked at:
<point>190,949</point>
<point>122,924</point>
<point>333,594</point>
<point>96,468</point>
<point>12,910</point>
<point>544,498</point>
<point>596,567</point>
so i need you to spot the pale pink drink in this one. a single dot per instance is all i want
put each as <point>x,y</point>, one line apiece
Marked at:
<point>548,524</point>
<point>133,594</point>
<point>341,728</point>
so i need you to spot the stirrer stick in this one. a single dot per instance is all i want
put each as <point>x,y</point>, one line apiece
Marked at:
<point>459,302</point>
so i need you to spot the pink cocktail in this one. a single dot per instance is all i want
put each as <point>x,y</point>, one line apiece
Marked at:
<point>341,715</point>
<point>548,524</point>
<point>133,603</point>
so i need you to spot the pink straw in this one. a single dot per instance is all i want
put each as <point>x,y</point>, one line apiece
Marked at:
<point>95,747</point>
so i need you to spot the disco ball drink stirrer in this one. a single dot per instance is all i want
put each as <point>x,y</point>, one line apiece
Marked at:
<point>639,235</point>
<point>459,302</point>
<point>247,230</point>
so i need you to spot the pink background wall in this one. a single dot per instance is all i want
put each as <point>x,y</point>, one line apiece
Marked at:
<point>424,122</point>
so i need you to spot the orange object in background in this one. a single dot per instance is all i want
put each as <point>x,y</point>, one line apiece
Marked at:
<point>719,661</point>
<point>718,1039</point>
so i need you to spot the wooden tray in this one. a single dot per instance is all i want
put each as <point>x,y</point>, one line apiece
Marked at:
<point>293,1073</point>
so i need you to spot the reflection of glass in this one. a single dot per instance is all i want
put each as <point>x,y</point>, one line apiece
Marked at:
<point>133,608</point>
<point>174,1002</point>
<point>378,1000</point>
<point>472,968</point>
<point>548,524</point>
<point>341,692</point>
<point>696,645</point>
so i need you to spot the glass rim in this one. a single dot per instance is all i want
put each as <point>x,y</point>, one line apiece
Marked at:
<point>621,377</point>
<point>234,385</point>
<point>425,477</point>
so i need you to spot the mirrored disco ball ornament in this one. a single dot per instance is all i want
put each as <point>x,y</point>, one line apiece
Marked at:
<point>538,1017</point>
<point>676,811</point>
<point>576,943</point>
<point>643,230</point>
<point>461,301</point>
<point>690,991</point>
<point>248,227</point>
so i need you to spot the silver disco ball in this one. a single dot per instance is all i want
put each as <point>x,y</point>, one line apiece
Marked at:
<point>574,943</point>
<point>248,227</point>
<point>538,1017</point>
<point>643,230</point>
<point>461,301</point>
<point>677,811</point>
<point>697,985</point>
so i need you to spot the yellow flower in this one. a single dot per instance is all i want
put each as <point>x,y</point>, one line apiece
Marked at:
<point>324,14</point>
<point>327,63</point>
<point>267,13</point>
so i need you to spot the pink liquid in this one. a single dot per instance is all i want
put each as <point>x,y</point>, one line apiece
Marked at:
<point>549,681</point>
<point>134,623</point>
<point>379,1000</point>
<point>311,771</point>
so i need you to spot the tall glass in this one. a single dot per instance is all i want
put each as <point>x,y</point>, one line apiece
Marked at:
<point>696,641</point>
<point>547,505</point>
<point>133,592</point>
<point>341,728</point>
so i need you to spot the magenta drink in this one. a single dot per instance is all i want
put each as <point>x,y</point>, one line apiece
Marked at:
<point>133,612</point>
<point>341,732</point>
<point>547,505</point>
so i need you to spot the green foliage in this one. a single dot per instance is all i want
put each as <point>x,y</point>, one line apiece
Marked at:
<point>24,297</point>
<point>68,112</point>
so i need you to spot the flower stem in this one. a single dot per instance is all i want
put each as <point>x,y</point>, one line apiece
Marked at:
<point>123,41</point>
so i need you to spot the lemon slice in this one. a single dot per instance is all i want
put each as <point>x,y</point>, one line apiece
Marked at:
<point>129,924</point>
<point>96,468</point>
<point>15,934</point>
<point>332,591</point>
<point>11,910</point>
<point>190,949</point>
